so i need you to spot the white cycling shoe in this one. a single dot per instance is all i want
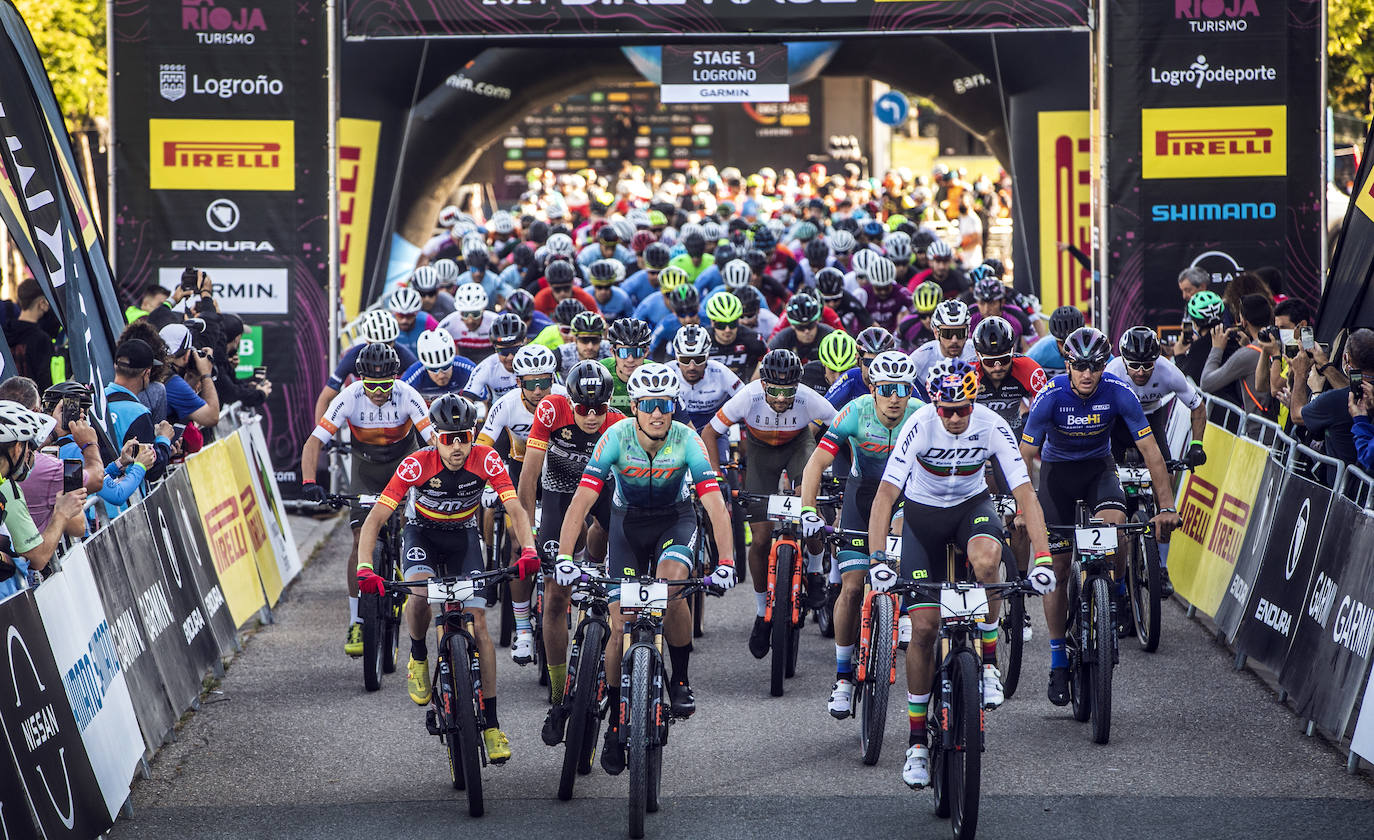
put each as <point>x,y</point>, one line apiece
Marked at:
<point>903,631</point>
<point>1026,631</point>
<point>522,648</point>
<point>842,699</point>
<point>916,771</point>
<point>992,687</point>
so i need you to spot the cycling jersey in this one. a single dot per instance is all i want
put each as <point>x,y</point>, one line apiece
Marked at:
<point>348,364</point>
<point>474,344</point>
<point>490,380</point>
<point>684,262</point>
<point>787,339</point>
<point>1074,428</point>
<point>653,309</point>
<point>418,378</point>
<point>618,305</point>
<point>447,498</point>
<point>750,406</point>
<point>741,355</point>
<point>620,395</point>
<point>934,467</point>
<point>1045,352</point>
<point>510,414</point>
<point>1167,379</point>
<point>859,426</point>
<point>849,387</point>
<point>925,357</point>
<point>700,401</point>
<point>886,309</point>
<point>379,432</point>
<point>913,332</point>
<point>1024,381</point>
<point>567,354</point>
<point>567,448</point>
<point>644,481</point>
<point>853,315</point>
<point>408,338</point>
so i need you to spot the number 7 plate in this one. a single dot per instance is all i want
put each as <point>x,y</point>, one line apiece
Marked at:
<point>640,596</point>
<point>1095,540</point>
<point>450,591</point>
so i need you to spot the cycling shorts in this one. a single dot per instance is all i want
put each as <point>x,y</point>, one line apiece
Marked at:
<point>858,501</point>
<point>927,530</point>
<point>1064,483</point>
<point>368,478</point>
<point>553,507</point>
<point>441,553</point>
<point>1123,442</point>
<point>767,463</point>
<point>640,538</point>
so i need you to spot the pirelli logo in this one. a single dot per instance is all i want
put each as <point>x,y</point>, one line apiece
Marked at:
<point>222,154</point>
<point>1244,141</point>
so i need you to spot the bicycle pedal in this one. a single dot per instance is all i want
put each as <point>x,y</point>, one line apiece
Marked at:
<point>432,723</point>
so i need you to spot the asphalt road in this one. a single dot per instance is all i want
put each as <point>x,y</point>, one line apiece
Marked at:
<point>295,748</point>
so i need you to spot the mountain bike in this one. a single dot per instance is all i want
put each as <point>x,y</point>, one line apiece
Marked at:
<point>1011,624</point>
<point>498,552</point>
<point>584,696</point>
<point>1144,574</point>
<point>381,615</point>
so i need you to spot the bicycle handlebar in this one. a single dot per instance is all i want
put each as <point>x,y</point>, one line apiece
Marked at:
<point>342,500</point>
<point>493,576</point>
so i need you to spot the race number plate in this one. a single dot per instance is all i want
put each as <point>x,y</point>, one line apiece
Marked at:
<point>962,604</point>
<point>894,549</point>
<point>644,596</point>
<point>450,591</point>
<point>784,507</point>
<point>1133,475</point>
<point>1095,540</point>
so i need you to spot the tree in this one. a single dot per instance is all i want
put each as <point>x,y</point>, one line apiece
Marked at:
<point>70,35</point>
<point>1350,56</point>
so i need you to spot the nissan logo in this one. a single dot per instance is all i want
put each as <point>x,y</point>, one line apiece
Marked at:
<point>1299,534</point>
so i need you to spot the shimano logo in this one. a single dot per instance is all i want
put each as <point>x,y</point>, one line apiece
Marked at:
<point>1238,211</point>
<point>1274,617</point>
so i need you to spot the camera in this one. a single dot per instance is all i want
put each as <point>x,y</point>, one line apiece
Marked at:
<point>1270,333</point>
<point>190,280</point>
<point>260,373</point>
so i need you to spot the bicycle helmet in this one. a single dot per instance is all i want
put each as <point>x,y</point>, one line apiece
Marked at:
<point>624,230</point>
<point>653,379</point>
<point>1204,305</point>
<point>657,219</point>
<point>736,275</point>
<point>1065,320</point>
<point>567,310</point>
<point>765,240</point>
<point>892,366</point>
<point>608,234</point>
<point>1087,344</point>
<point>588,322</point>
<point>724,253</point>
<point>427,278</point>
<point>862,261</point>
<point>470,297</point>
<point>838,351</point>
<point>522,256</point>
<point>521,304</point>
<point>842,242</point>
<point>939,250</point>
<point>989,288</point>
<point>780,367</point>
<point>959,384</point>
<point>473,243</point>
<point>502,223</point>
<point>692,340</point>
<point>724,308</point>
<point>816,251</point>
<point>950,313</point>
<point>452,413</point>
<point>604,272</point>
<point>448,217</point>
<point>560,245</point>
<point>830,283</point>
<point>875,340</point>
<point>629,332</point>
<point>657,256</point>
<point>69,390</point>
<point>805,232</point>
<point>404,302</point>
<point>377,361</point>
<point>873,229</point>
<point>435,349</point>
<point>670,278</point>
<point>993,336</point>
<point>559,273</point>
<point>898,247</point>
<point>378,325</point>
<point>881,271</point>
<point>848,225</point>
<point>803,309</point>
<point>589,383</point>
<point>927,296</point>
<point>684,300</point>
<point>750,304</point>
<point>508,329</point>
<point>979,273</point>
<point>756,260</point>
<point>996,265</point>
<point>18,423</point>
<point>694,243</point>
<point>1139,344</point>
<point>534,359</point>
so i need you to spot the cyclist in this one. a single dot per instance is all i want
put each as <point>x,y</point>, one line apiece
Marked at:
<point>604,275</point>
<point>644,282</point>
<point>521,303</point>
<point>886,301</point>
<point>915,329</point>
<point>560,274</point>
<point>654,308</point>
<point>837,358</point>
<point>1007,381</point>
<point>1048,353</point>
<point>588,331</point>
<point>777,412</point>
<point>510,419</point>
<point>815,257</point>
<point>991,300</point>
<point>706,383</point>
<point>629,339</point>
<point>942,271</point>
<point>382,416</point>
<point>1072,420</point>
<point>441,539</point>
<point>426,281</point>
<point>694,260</point>
<point>951,340</point>
<point>685,304</point>
<point>566,429</point>
<point>411,320</point>
<point>738,348</point>
<point>653,526</point>
<point>440,369</point>
<point>494,376</point>
<point>374,326</point>
<point>471,322</point>
<point>897,244</point>
<point>936,467</point>
<point>805,331</point>
<point>560,332</point>
<point>853,315</point>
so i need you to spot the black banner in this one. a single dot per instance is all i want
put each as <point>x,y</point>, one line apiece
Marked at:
<point>1252,547</point>
<point>1346,302</point>
<point>16,818</point>
<point>42,731</point>
<point>179,499</point>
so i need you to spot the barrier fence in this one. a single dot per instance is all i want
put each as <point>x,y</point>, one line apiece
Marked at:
<point>107,653</point>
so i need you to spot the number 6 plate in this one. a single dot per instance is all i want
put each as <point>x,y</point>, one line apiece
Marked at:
<point>644,596</point>
<point>450,591</point>
<point>1095,540</point>
<point>961,604</point>
<point>784,507</point>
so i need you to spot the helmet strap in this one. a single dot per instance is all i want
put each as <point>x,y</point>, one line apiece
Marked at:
<point>645,432</point>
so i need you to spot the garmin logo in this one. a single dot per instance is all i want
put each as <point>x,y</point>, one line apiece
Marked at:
<point>1206,212</point>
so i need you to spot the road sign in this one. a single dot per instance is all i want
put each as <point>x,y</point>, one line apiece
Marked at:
<point>891,108</point>
<point>735,73</point>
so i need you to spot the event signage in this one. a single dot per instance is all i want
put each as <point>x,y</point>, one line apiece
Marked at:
<point>1237,595</point>
<point>734,73</point>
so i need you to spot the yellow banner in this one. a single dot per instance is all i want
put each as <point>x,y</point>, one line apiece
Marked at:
<point>357,176</point>
<point>1215,504</point>
<point>222,154</point>
<point>1236,142</point>
<point>1065,208</point>
<point>1364,199</point>
<point>218,500</point>
<point>253,521</point>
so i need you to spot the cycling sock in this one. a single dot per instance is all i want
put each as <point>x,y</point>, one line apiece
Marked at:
<point>522,616</point>
<point>989,642</point>
<point>612,708</point>
<point>353,610</point>
<point>558,678</point>
<point>1058,657</point>
<point>679,656</point>
<point>815,562</point>
<point>760,603</point>
<point>489,706</point>
<point>916,716</point>
<point>1163,555</point>
<point>419,651</point>
<point>844,662</point>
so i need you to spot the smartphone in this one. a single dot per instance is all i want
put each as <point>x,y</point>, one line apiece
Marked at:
<point>178,429</point>
<point>1290,349</point>
<point>259,373</point>
<point>1305,338</point>
<point>73,475</point>
<point>190,280</point>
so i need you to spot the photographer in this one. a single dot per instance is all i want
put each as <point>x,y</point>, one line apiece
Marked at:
<point>1361,427</point>
<point>1329,415</point>
<point>69,403</point>
<point>187,403</point>
<point>250,393</point>
<point>1238,371</point>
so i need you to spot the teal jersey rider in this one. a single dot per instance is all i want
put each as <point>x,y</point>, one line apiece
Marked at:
<point>858,425</point>
<point>642,481</point>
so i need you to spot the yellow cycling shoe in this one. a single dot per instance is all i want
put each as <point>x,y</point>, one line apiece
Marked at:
<point>498,745</point>
<point>353,642</point>
<point>418,681</point>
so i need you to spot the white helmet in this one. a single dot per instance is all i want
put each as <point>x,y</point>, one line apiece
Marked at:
<point>892,366</point>
<point>691,340</point>
<point>378,325</point>
<point>842,242</point>
<point>653,379</point>
<point>736,274</point>
<point>426,278</point>
<point>449,216</point>
<point>502,222</point>
<point>404,302</point>
<point>950,313</point>
<point>691,227</point>
<point>534,359</point>
<point>881,271</point>
<point>862,260</point>
<point>560,244</point>
<point>18,423</point>
<point>474,242</point>
<point>713,232</point>
<point>470,297</point>
<point>898,246</point>
<point>436,349</point>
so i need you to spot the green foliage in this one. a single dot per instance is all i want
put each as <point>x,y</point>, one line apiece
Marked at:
<point>1350,55</point>
<point>70,35</point>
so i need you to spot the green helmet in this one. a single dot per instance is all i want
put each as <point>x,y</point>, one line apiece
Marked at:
<point>928,296</point>
<point>724,308</point>
<point>838,351</point>
<point>895,221</point>
<point>657,219</point>
<point>1204,305</point>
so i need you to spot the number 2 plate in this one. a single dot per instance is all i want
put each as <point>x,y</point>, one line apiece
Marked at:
<point>1095,540</point>
<point>641,596</point>
<point>450,591</point>
<point>784,507</point>
<point>956,604</point>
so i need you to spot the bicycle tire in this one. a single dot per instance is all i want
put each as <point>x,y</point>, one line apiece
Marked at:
<point>582,714</point>
<point>464,737</point>
<point>1011,643</point>
<point>1145,582</point>
<point>638,737</point>
<point>500,551</point>
<point>825,616</point>
<point>698,604</point>
<point>1103,635</point>
<point>782,619</point>
<point>1080,687</point>
<point>939,756</point>
<point>874,691</point>
<point>966,762</point>
<point>391,605</point>
<point>370,611</point>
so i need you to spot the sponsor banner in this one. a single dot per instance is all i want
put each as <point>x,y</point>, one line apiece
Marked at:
<point>16,818</point>
<point>1332,641</point>
<point>1213,21</point>
<point>174,495</point>
<point>1065,202</point>
<point>219,502</point>
<point>1233,209</point>
<point>244,291</point>
<point>1361,743</point>
<point>1197,500</point>
<point>269,497</point>
<point>1237,596</point>
<point>250,351</point>
<point>1221,259</point>
<point>254,519</point>
<point>221,154</point>
<point>357,168</point>
<point>174,82</point>
<point>220,24</point>
<point>42,732</point>
<point>1245,141</point>
<point>1221,72</point>
<point>84,648</point>
<point>1285,572</point>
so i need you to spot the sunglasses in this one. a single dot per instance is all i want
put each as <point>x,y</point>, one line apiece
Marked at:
<point>589,410</point>
<point>1082,366</point>
<point>663,405</point>
<point>780,391</point>
<point>1140,366</point>
<point>951,335</point>
<point>470,316</point>
<point>451,438</point>
<point>592,338</point>
<point>695,361</point>
<point>631,352</point>
<point>507,351</point>
<point>995,361</point>
<point>893,389</point>
<point>433,294</point>
<point>378,386</point>
<point>726,325</point>
<point>542,383</point>
<point>954,410</point>
<point>808,327</point>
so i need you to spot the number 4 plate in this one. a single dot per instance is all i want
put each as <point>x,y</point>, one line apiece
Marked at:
<point>640,596</point>
<point>1095,540</point>
<point>450,591</point>
<point>958,604</point>
<point>784,507</point>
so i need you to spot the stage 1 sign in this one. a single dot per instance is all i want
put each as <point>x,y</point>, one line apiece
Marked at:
<point>734,73</point>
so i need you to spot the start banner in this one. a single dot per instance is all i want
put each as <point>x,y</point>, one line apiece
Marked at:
<point>219,500</point>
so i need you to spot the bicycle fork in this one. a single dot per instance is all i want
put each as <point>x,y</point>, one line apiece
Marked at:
<point>655,691</point>
<point>866,637</point>
<point>797,575</point>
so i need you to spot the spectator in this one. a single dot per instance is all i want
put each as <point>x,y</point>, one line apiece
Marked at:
<point>69,403</point>
<point>1192,280</point>
<point>250,393</point>
<point>1361,428</point>
<point>43,484</point>
<point>21,433</point>
<point>1328,415</point>
<point>1292,314</point>
<point>185,403</point>
<point>30,343</point>
<point>1224,375</point>
<point>130,418</point>
<point>1244,283</point>
<point>153,297</point>
<point>155,394</point>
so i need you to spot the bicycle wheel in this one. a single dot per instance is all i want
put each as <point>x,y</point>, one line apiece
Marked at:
<point>582,710</point>
<point>639,736</point>
<point>1145,582</point>
<point>782,618</point>
<point>1080,687</point>
<point>873,692</point>
<point>500,556</point>
<point>966,759</point>
<point>1102,634</point>
<point>464,741</point>
<point>370,609</point>
<point>939,756</point>
<point>391,611</point>
<point>1011,641</point>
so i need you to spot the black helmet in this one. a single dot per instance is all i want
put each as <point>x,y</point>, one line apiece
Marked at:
<point>452,413</point>
<point>629,332</point>
<point>522,256</point>
<point>608,234</point>
<point>477,259</point>
<point>803,309</point>
<point>559,273</point>
<point>749,304</point>
<point>657,256</point>
<point>848,224</point>
<point>922,239</point>
<point>875,340</point>
<point>567,310</point>
<point>539,232</point>
<point>756,259</point>
<point>764,240</point>
<point>817,251</point>
<point>589,383</point>
<point>1139,344</point>
<point>996,266</point>
<point>724,252</point>
<point>521,304</point>
<point>1087,344</point>
<point>69,390</point>
<point>830,282</point>
<point>684,300</point>
<point>508,328</point>
<point>377,361</point>
<point>695,244</point>
<point>1065,320</point>
<point>994,337</point>
<point>780,367</point>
